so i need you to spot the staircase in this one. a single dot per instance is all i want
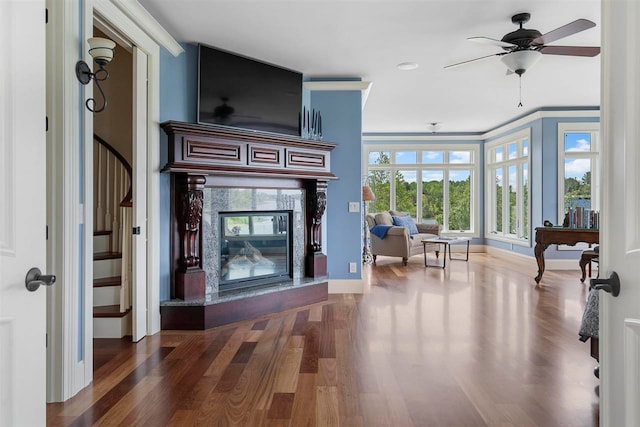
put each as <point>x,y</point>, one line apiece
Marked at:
<point>111,242</point>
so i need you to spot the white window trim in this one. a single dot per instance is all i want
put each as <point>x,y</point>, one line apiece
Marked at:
<point>505,164</point>
<point>474,167</point>
<point>594,155</point>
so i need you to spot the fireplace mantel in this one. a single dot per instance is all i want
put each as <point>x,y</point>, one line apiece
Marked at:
<point>202,156</point>
<point>217,150</point>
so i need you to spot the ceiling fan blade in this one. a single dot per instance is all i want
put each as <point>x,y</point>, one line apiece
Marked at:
<point>493,42</point>
<point>509,72</point>
<point>564,31</point>
<point>473,60</point>
<point>570,50</point>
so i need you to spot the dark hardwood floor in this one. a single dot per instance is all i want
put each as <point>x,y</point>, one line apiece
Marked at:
<point>476,344</point>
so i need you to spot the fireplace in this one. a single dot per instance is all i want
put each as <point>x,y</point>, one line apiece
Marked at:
<point>246,224</point>
<point>255,248</point>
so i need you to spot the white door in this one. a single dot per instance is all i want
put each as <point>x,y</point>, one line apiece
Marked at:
<point>139,243</point>
<point>22,212</point>
<point>620,234</point>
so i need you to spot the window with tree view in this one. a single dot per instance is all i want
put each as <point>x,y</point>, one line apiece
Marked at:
<point>577,167</point>
<point>507,202</point>
<point>433,182</point>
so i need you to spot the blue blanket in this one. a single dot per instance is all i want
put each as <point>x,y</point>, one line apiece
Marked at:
<point>380,230</point>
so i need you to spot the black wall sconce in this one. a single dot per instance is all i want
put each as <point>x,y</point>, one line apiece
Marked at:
<point>101,50</point>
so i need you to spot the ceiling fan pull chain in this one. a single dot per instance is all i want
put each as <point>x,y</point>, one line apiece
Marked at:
<point>520,81</point>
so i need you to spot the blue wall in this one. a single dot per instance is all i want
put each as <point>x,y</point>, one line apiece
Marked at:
<point>342,124</point>
<point>178,101</point>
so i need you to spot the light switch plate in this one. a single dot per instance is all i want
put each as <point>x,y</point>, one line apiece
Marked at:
<point>354,207</point>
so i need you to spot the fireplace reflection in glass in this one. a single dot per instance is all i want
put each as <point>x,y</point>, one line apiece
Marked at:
<point>255,248</point>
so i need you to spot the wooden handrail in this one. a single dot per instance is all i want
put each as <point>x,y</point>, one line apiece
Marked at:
<point>127,201</point>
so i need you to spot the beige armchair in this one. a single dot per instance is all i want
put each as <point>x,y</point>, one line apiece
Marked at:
<point>398,242</point>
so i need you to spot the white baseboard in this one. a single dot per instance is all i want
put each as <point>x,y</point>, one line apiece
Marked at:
<point>346,286</point>
<point>550,264</point>
<point>503,252</point>
<point>561,264</point>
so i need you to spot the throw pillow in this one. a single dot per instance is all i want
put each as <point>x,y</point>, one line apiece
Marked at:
<point>406,221</point>
<point>383,218</point>
<point>398,213</point>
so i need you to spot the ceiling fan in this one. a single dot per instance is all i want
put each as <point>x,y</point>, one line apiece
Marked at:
<point>523,47</point>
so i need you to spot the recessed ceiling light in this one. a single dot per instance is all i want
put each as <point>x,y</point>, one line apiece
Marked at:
<point>406,66</point>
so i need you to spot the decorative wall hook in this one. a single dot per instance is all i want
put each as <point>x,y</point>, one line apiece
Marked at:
<point>101,50</point>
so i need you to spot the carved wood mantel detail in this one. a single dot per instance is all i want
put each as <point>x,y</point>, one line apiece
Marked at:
<point>212,155</point>
<point>317,205</point>
<point>191,218</point>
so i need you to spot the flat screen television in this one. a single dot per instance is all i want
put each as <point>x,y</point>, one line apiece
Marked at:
<point>241,92</point>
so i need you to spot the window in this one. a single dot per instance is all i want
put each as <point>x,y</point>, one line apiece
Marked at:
<point>433,182</point>
<point>507,191</point>
<point>577,167</point>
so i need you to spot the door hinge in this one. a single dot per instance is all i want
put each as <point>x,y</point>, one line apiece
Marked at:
<point>46,15</point>
<point>47,233</point>
<point>136,230</point>
<point>46,340</point>
<point>46,123</point>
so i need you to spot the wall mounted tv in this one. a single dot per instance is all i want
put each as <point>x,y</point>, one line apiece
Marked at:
<point>242,92</point>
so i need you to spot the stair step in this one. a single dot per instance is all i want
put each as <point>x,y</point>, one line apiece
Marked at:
<point>102,233</point>
<point>109,311</point>
<point>107,281</point>
<point>106,255</point>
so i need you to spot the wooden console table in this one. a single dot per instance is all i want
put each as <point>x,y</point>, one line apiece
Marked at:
<point>546,236</point>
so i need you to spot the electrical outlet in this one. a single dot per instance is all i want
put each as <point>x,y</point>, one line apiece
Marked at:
<point>353,268</point>
<point>354,207</point>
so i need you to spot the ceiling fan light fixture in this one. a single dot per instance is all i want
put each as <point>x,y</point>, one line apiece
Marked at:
<point>521,60</point>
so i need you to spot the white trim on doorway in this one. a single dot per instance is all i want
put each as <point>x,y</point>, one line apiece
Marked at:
<point>70,137</point>
<point>69,350</point>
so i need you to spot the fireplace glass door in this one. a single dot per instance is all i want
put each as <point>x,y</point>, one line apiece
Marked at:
<point>255,248</point>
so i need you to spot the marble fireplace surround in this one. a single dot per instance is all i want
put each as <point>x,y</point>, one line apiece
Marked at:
<point>221,199</point>
<point>216,168</point>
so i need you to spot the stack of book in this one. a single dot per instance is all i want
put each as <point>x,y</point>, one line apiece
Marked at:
<point>580,217</point>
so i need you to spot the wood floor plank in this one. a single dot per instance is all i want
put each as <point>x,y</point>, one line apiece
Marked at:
<point>327,406</point>
<point>305,402</point>
<point>476,344</point>
<point>327,372</point>
<point>315,314</point>
<point>281,406</point>
<point>287,375</point>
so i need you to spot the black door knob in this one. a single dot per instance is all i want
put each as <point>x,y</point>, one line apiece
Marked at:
<point>35,279</point>
<point>611,285</point>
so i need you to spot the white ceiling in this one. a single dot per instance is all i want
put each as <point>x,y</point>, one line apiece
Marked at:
<point>364,38</point>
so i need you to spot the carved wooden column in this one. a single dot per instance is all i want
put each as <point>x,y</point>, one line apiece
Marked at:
<point>316,205</point>
<point>190,278</point>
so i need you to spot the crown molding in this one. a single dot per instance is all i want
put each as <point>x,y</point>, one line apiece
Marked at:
<point>136,12</point>
<point>340,85</point>
<point>528,118</point>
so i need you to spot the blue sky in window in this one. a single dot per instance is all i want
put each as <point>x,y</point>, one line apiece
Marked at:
<point>577,142</point>
<point>455,175</point>
<point>576,168</point>
<point>374,156</point>
<point>406,157</point>
<point>459,157</point>
<point>432,157</point>
<point>409,176</point>
<point>436,175</point>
